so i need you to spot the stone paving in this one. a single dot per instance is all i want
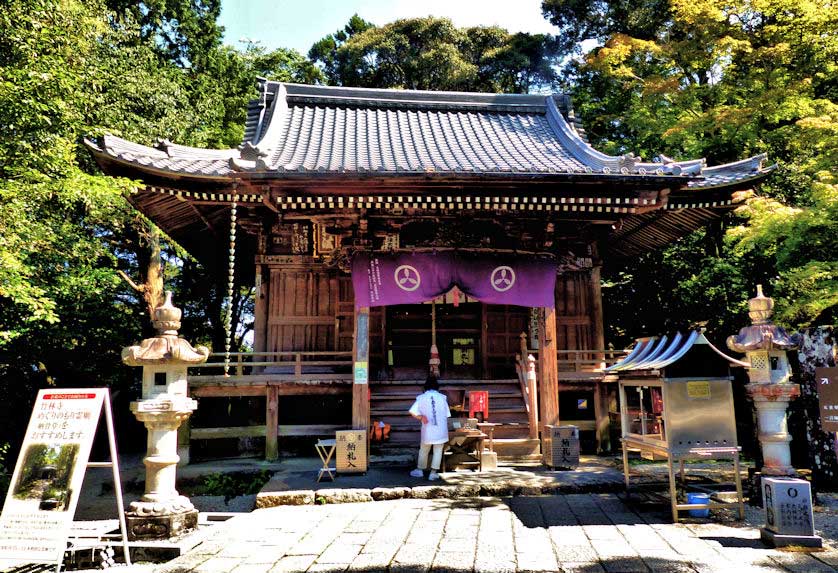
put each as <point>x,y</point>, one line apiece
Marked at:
<point>567,533</point>
<point>294,484</point>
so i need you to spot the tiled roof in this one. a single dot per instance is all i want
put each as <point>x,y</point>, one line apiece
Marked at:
<point>299,129</point>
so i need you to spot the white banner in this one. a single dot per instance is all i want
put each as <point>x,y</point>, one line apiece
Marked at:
<point>42,498</point>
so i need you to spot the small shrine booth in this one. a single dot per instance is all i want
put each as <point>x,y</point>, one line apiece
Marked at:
<point>376,224</point>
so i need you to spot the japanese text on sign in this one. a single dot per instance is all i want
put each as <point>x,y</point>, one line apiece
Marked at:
<point>48,475</point>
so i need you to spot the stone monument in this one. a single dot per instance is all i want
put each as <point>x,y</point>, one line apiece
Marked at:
<point>788,513</point>
<point>766,345</point>
<point>162,513</point>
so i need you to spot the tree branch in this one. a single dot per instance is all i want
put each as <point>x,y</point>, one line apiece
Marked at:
<point>135,286</point>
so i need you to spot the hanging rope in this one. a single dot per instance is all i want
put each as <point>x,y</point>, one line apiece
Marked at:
<point>228,316</point>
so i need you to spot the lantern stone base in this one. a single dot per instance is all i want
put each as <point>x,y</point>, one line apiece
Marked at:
<point>158,527</point>
<point>776,540</point>
<point>771,402</point>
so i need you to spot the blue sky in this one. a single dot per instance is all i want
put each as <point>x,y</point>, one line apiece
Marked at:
<point>299,23</point>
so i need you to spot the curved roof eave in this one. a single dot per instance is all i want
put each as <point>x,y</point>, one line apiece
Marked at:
<point>306,131</point>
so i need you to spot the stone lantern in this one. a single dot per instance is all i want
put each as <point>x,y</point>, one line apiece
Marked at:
<point>766,345</point>
<point>162,513</point>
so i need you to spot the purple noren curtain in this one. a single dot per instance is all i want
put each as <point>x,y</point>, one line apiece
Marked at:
<point>387,279</point>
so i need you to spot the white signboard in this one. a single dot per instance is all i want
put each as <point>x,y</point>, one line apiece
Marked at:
<point>45,486</point>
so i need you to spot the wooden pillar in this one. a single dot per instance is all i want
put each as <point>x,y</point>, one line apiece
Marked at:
<point>272,424</point>
<point>360,370</point>
<point>548,369</point>
<point>601,394</point>
<point>260,311</point>
<point>484,341</point>
<point>597,324</point>
<point>603,423</point>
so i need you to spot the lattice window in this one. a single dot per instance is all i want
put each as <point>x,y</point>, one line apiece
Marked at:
<point>759,362</point>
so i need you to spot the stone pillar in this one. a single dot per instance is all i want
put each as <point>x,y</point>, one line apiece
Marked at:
<point>162,513</point>
<point>770,387</point>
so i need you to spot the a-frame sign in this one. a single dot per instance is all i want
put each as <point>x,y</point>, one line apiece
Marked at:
<point>38,513</point>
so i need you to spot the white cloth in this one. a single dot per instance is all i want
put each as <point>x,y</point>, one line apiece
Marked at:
<point>436,461</point>
<point>434,406</point>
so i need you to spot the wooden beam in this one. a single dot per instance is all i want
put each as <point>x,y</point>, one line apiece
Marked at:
<point>360,354</point>
<point>291,430</point>
<point>329,387</point>
<point>272,423</point>
<point>221,391</point>
<point>265,379</point>
<point>548,371</point>
<point>235,432</point>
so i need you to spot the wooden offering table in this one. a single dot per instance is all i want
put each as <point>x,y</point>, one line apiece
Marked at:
<point>464,447</point>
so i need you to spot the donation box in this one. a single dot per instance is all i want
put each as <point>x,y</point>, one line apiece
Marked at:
<point>351,451</point>
<point>562,448</point>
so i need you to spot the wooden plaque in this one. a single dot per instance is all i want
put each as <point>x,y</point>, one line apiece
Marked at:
<point>351,452</point>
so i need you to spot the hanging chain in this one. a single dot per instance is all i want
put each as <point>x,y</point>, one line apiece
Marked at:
<point>228,316</point>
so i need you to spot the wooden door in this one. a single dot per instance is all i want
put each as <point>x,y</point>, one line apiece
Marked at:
<point>573,311</point>
<point>305,311</point>
<point>502,328</point>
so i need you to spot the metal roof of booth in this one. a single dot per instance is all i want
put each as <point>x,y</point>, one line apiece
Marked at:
<point>654,353</point>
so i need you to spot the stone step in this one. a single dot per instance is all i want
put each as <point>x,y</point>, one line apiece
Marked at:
<point>507,448</point>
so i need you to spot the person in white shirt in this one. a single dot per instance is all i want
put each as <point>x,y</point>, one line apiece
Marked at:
<point>431,408</point>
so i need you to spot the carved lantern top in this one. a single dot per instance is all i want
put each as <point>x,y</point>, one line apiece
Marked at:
<point>762,334</point>
<point>167,316</point>
<point>760,308</point>
<point>167,347</point>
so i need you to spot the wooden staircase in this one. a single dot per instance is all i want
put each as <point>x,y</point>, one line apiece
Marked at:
<point>390,401</point>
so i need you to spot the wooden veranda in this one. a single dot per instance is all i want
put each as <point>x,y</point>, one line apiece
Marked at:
<point>273,375</point>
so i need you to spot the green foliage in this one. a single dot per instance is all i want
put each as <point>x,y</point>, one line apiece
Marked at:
<point>70,69</point>
<point>325,50</point>
<point>54,217</point>
<point>721,81</point>
<point>233,484</point>
<point>581,20</point>
<point>5,474</point>
<point>803,242</point>
<point>432,54</point>
<point>184,32</point>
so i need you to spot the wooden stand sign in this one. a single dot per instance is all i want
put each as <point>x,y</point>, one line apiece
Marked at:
<point>41,502</point>
<point>826,380</point>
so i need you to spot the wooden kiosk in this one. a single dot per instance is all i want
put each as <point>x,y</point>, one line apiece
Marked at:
<point>325,173</point>
<point>676,403</point>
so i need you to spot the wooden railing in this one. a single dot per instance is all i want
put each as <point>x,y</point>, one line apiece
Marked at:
<point>282,366</point>
<point>579,361</point>
<point>270,374</point>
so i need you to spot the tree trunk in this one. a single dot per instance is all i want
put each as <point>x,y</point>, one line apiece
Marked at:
<point>153,287</point>
<point>817,349</point>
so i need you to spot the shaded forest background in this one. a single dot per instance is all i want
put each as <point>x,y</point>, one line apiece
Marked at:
<point>684,78</point>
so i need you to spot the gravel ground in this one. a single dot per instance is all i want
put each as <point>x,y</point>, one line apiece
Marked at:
<point>826,517</point>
